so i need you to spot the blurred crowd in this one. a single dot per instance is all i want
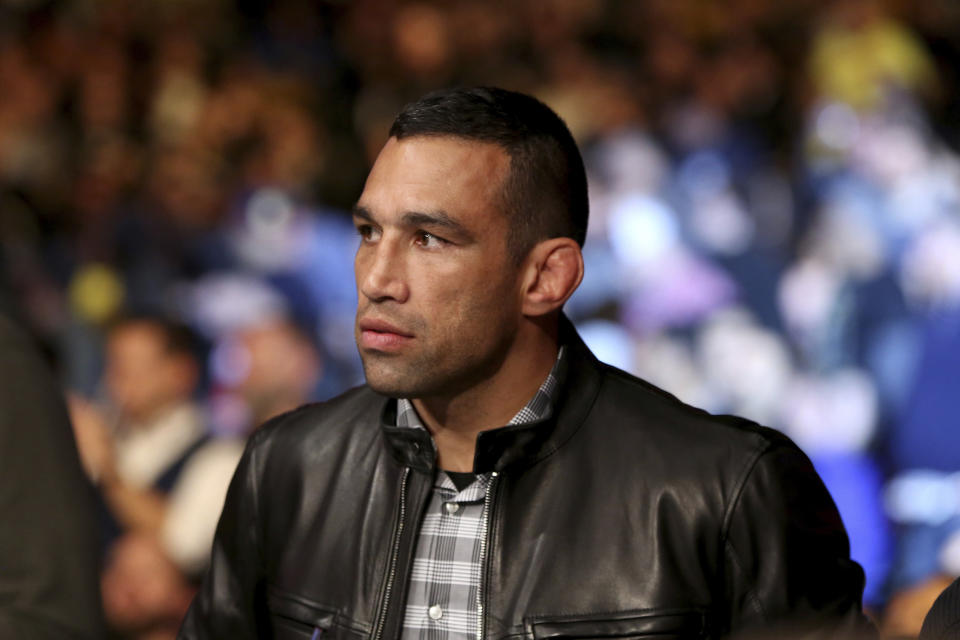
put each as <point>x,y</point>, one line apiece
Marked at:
<point>775,232</point>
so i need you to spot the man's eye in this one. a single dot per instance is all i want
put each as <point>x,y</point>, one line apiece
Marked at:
<point>366,232</point>
<point>429,241</point>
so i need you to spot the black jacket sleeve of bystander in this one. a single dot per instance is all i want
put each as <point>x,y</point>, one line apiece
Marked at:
<point>48,546</point>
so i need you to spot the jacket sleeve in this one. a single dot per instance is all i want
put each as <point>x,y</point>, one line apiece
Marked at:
<point>48,541</point>
<point>230,602</point>
<point>787,558</point>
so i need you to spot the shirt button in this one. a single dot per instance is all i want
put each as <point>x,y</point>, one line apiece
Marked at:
<point>452,507</point>
<point>435,612</point>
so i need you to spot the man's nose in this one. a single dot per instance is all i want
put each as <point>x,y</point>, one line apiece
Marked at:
<point>380,272</point>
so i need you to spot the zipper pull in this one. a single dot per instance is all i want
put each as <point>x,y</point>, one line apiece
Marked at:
<point>317,632</point>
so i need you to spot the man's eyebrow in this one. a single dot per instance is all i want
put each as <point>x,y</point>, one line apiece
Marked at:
<point>436,219</point>
<point>362,212</point>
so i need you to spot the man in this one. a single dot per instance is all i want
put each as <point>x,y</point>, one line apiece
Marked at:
<point>604,507</point>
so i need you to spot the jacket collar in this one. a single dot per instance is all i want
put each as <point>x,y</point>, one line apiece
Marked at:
<point>524,444</point>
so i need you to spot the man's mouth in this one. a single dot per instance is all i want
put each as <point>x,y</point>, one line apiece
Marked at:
<point>379,335</point>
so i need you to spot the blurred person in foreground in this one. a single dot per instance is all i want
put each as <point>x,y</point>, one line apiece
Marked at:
<point>138,461</point>
<point>48,550</point>
<point>493,479</point>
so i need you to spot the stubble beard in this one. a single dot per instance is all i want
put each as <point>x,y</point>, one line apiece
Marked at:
<point>419,376</point>
<point>444,361</point>
<point>435,373</point>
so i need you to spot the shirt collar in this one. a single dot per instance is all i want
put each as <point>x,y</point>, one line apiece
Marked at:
<point>578,383</point>
<point>539,407</point>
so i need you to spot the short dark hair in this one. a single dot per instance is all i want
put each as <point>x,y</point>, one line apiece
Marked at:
<point>545,191</point>
<point>176,338</point>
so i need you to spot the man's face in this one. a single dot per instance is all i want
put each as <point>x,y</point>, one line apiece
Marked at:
<point>439,295</point>
<point>142,377</point>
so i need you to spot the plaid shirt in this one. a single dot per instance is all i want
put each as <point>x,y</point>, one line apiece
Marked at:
<point>443,598</point>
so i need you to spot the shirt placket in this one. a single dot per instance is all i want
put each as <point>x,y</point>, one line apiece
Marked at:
<point>450,602</point>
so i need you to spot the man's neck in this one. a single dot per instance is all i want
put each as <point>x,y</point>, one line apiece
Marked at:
<point>455,421</point>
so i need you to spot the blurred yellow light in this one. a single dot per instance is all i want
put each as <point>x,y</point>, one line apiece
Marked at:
<point>96,292</point>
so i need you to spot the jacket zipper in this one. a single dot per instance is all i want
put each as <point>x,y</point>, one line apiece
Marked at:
<point>393,558</point>
<point>484,545</point>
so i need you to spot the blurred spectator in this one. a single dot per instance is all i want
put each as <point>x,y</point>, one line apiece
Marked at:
<point>860,56</point>
<point>271,367</point>
<point>48,551</point>
<point>150,377</point>
<point>283,369</point>
<point>144,594</point>
<point>923,498</point>
<point>943,620</point>
<point>260,370</point>
<point>137,461</point>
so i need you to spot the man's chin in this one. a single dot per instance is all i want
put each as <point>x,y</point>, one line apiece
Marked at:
<point>388,389</point>
<point>388,383</point>
<point>400,384</point>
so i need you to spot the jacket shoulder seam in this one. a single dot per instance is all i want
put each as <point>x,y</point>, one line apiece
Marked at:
<point>751,594</point>
<point>751,465</point>
<point>255,497</point>
<point>741,483</point>
<point>259,439</point>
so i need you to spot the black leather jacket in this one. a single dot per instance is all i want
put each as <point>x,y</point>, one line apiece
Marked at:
<point>625,514</point>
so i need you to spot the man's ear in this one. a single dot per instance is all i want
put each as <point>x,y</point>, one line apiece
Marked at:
<point>553,271</point>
